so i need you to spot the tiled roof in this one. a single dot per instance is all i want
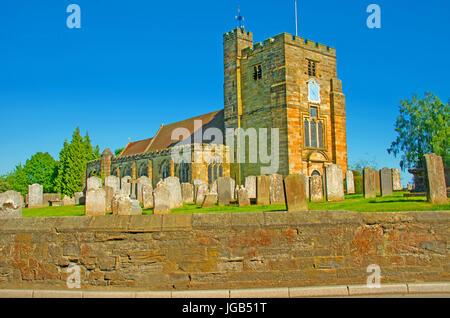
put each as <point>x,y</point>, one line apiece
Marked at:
<point>163,138</point>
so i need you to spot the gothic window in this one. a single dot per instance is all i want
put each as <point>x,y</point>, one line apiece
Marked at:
<point>311,68</point>
<point>210,174</point>
<point>220,171</point>
<point>320,134</point>
<point>306,124</point>
<point>214,171</point>
<point>315,173</point>
<point>257,72</point>
<point>126,172</point>
<point>143,171</point>
<point>313,133</point>
<point>313,126</point>
<point>166,171</point>
<point>183,172</point>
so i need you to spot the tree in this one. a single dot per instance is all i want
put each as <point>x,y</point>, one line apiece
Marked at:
<point>4,185</point>
<point>422,127</point>
<point>117,152</point>
<point>73,162</point>
<point>363,163</point>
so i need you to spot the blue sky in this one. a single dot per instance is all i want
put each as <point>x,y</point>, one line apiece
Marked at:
<point>136,64</point>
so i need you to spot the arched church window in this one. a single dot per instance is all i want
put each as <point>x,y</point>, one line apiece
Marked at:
<point>315,173</point>
<point>215,172</point>
<point>313,134</point>
<point>143,171</point>
<point>220,171</point>
<point>127,172</point>
<point>210,174</point>
<point>320,134</point>
<point>307,142</point>
<point>183,172</point>
<point>166,170</point>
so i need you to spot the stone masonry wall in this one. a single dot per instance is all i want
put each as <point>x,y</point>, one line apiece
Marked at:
<point>213,251</point>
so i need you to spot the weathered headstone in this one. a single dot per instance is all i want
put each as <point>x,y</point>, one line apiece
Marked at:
<point>213,187</point>
<point>109,194</point>
<point>10,205</point>
<point>200,192</point>
<point>187,192</point>
<point>161,200</point>
<point>334,183</point>
<point>140,184</point>
<point>135,208</point>
<point>350,182</point>
<point>113,182</point>
<point>307,187</point>
<point>93,183</point>
<point>435,179</point>
<point>35,196</point>
<point>369,183</point>
<point>396,180</point>
<point>68,201</point>
<point>295,192</point>
<point>316,188</point>
<point>95,202</point>
<point>147,196</point>
<point>125,186</point>
<point>210,200</point>
<point>386,182</point>
<point>377,181</point>
<point>49,198</point>
<point>276,189</point>
<point>225,190</point>
<point>79,198</point>
<point>242,196</point>
<point>250,185</point>
<point>121,204</point>
<point>174,186</point>
<point>263,190</point>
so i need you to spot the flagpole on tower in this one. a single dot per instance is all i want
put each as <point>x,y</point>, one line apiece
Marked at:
<point>296,19</point>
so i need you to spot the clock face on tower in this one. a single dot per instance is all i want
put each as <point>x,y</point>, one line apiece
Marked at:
<point>313,92</point>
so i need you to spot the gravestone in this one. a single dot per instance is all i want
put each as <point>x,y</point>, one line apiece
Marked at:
<point>93,183</point>
<point>174,186</point>
<point>250,185</point>
<point>225,190</point>
<point>147,196</point>
<point>334,184</point>
<point>135,208</point>
<point>377,181</point>
<point>386,182</point>
<point>435,179</point>
<point>109,194</point>
<point>35,196</point>
<point>242,196</point>
<point>350,181</point>
<point>161,200</point>
<point>396,180</point>
<point>113,182</point>
<point>140,184</point>
<point>11,203</point>
<point>276,189</point>
<point>369,183</point>
<point>187,192</point>
<point>263,190</point>
<point>121,204</point>
<point>307,187</point>
<point>68,201</point>
<point>316,189</point>
<point>200,192</point>
<point>198,181</point>
<point>49,198</point>
<point>295,193</point>
<point>95,202</point>
<point>210,200</point>
<point>213,188</point>
<point>125,186</point>
<point>79,198</point>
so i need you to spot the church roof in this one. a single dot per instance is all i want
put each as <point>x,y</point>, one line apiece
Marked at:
<point>163,138</point>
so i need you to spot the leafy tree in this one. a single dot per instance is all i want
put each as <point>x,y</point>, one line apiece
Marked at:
<point>118,151</point>
<point>363,163</point>
<point>4,185</point>
<point>423,126</point>
<point>18,180</point>
<point>73,161</point>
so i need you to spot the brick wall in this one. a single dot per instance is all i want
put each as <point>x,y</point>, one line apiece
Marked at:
<point>201,251</point>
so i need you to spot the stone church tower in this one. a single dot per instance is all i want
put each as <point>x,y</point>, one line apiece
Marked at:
<point>291,84</point>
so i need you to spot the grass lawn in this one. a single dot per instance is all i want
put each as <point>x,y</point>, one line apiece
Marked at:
<point>352,203</point>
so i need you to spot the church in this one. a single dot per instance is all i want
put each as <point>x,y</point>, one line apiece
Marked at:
<point>286,83</point>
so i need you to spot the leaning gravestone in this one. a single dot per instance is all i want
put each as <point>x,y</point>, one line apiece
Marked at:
<point>295,192</point>
<point>210,200</point>
<point>109,194</point>
<point>140,184</point>
<point>10,205</point>
<point>161,200</point>
<point>93,183</point>
<point>386,182</point>
<point>113,182</point>
<point>187,192</point>
<point>396,180</point>
<point>95,202</point>
<point>250,185</point>
<point>121,204</point>
<point>125,186</point>
<point>242,196</point>
<point>200,192</point>
<point>369,183</point>
<point>276,189</point>
<point>147,196</point>
<point>263,190</point>
<point>35,196</point>
<point>316,188</point>
<point>435,179</point>
<point>225,190</point>
<point>350,182</point>
<point>334,184</point>
<point>174,186</point>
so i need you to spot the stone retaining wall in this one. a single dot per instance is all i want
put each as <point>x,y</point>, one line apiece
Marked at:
<point>213,251</point>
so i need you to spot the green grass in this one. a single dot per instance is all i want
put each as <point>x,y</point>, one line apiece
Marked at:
<point>357,203</point>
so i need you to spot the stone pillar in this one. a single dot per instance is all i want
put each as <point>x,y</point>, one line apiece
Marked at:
<point>150,170</point>
<point>133,171</point>
<point>172,168</point>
